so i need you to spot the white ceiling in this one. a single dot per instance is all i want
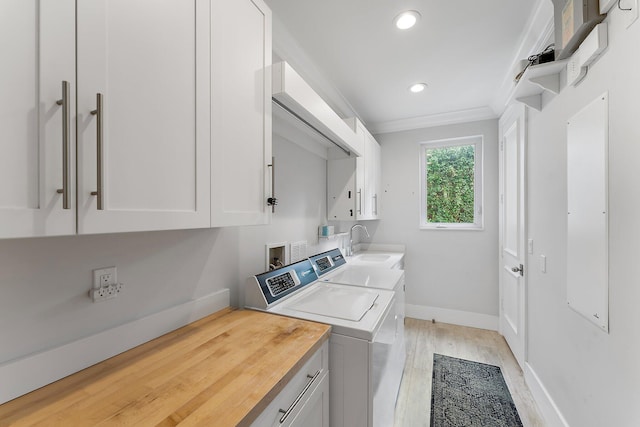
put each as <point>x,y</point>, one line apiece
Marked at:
<point>464,50</point>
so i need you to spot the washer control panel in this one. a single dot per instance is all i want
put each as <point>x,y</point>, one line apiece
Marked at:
<point>327,261</point>
<point>268,288</point>
<point>283,282</point>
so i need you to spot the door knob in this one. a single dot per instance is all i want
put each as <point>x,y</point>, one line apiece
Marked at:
<point>519,269</point>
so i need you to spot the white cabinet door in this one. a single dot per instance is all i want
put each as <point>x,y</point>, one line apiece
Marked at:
<point>149,60</point>
<point>241,112</point>
<point>353,184</point>
<point>374,177</point>
<point>37,44</point>
<point>342,196</point>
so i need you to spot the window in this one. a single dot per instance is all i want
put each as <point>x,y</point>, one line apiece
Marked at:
<point>451,183</point>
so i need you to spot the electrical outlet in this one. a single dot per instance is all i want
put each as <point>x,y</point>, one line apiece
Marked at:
<point>105,284</point>
<point>104,276</point>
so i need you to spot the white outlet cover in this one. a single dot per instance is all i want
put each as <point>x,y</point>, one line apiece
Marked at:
<point>98,273</point>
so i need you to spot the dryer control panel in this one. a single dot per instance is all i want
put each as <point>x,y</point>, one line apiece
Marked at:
<point>327,261</point>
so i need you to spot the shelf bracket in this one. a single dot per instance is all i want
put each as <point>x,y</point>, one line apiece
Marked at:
<point>533,101</point>
<point>550,82</point>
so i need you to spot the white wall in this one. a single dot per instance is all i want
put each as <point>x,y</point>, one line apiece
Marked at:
<point>44,281</point>
<point>593,377</point>
<point>450,274</point>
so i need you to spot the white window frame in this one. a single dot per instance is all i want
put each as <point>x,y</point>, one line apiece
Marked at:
<point>478,142</point>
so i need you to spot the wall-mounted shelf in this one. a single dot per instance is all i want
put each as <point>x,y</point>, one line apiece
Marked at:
<point>334,236</point>
<point>537,79</point>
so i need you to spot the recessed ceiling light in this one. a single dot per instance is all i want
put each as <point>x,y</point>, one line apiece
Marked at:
<point>407,19</point>
<point>418,87</point>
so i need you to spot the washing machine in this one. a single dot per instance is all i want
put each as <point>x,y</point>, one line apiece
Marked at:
<point>363,341</point>
<point>332,267</point>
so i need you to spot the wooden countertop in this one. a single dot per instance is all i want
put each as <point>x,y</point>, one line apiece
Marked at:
<point>222,370</point>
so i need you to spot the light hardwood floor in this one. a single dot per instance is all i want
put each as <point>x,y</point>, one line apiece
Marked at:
<point>424,338</point>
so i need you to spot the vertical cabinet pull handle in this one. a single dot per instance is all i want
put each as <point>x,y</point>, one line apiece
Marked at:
<point>360,201</point>
<point>295,402</point>
<point>273,201</point>
<point>99,113</point>
<point>375,204</point>
<point>66,145</point>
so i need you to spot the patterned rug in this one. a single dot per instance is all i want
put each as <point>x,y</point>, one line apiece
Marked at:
<point>466,393</point>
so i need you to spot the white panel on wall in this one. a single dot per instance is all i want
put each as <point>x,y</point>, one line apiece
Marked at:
<point>587,219</point>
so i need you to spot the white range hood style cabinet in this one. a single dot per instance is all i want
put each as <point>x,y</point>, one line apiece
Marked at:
<point>153,88</point>
<point>354,184</point>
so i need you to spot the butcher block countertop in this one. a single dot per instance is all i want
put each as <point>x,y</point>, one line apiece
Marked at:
<point>222,370</point>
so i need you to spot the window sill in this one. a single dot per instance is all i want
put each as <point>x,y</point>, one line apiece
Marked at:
<point>452,227</point>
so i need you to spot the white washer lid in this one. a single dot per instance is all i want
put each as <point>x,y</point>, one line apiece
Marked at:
<point>341,303</point>
<point>378,278</point>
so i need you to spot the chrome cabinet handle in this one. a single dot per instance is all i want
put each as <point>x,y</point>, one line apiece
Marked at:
<point>66,146</point>
<point>99,113</point>
<point>360,201</point>
<point>295,402</point>
<point>375,204</point>
<point>273,201</point>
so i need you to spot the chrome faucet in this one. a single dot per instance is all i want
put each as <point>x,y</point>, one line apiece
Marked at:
<point>350,247</point>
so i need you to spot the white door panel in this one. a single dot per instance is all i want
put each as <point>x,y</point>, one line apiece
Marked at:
<point>512,230</point>
<point>150,61</point>
<point>37,43</point>
<point>241,113</point>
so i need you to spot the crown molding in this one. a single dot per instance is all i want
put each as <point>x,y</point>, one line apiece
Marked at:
<point>537,35</point>
<point>286,48</point>
<point>440,119</point>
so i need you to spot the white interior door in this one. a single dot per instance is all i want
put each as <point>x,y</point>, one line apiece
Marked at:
<point>512,230</point>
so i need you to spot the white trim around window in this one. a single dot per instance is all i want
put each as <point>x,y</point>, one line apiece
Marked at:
<point>478,222</point>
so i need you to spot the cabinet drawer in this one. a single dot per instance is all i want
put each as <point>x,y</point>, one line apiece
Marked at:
<point>310,380</point>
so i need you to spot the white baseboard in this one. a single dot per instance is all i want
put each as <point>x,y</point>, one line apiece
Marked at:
<point>28,373</point>
<point>547,406</point>
<point>455,317</point>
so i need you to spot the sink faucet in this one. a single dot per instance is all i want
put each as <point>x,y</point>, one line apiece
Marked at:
<point>350,247</point>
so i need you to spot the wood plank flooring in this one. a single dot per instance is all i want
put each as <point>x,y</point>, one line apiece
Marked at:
<point>423,338</point>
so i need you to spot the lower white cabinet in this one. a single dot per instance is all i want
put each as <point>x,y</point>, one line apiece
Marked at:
<point>304,402</point>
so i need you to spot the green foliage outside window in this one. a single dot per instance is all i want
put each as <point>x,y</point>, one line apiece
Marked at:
<point>450,184</point>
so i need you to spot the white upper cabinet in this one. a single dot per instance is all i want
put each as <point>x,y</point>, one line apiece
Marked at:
<point>37,44</point>
<point>373,180</point>
<point>153,77</point>
<point>143,153</point>
<point>241,113</point>
<point>354,183</point>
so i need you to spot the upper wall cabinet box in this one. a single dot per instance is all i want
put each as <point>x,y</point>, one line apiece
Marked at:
<point>292,94</point>
<point>573,21</point>
<point>354,184</point>
<point>145,103</point>
<point>142,117</point>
